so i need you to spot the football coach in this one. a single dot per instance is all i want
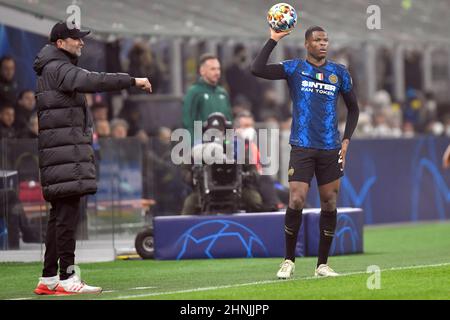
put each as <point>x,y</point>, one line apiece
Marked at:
<point>66,156</point>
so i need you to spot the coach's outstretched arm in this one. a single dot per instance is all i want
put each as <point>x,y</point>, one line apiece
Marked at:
<point>260,68</point>
<point>73,78</point>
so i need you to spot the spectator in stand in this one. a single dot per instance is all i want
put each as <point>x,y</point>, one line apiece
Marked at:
<point>271,105</point>
<point>31,129</point>
<point>408,129</point>
<point>7,129</point>
<point>240,80</point>
<point>119,129</point>
<point>103,128</point>
<point>24,109</point>
<point>8,86</point>
<point>241,104</point>
<point>142,63</point>
<point>99,111</point>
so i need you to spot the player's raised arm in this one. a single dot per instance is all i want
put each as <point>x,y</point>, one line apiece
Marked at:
<point>260,68</point>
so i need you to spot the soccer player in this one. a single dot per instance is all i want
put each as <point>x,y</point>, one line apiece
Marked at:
<point>314,84</point>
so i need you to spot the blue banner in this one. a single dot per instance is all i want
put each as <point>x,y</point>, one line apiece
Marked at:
<point>395,180</point>
<point>249,235</point>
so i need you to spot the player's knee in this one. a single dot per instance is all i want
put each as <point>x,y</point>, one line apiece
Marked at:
<point>297,202</point>
<point>328,202</point>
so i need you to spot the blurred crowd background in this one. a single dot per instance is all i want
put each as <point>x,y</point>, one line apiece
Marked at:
<point>401,72</point>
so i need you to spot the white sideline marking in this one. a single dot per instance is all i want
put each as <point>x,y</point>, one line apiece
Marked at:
<point>271,281</point>
<point>248,284</point>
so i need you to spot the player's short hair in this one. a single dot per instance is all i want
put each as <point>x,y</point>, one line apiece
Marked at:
<point>309,32</point>
<point>207,56</point>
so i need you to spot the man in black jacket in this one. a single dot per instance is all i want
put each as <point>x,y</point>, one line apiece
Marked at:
<point>66,157</point>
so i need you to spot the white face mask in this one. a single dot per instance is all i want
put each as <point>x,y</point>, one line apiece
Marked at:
<point>248,134</point>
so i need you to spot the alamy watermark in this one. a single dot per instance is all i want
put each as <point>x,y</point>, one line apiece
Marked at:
<point>215,146</point>
<point>374,280</point>
<point>74,269</point>
<point>373,21</point>
<point>73,21</point>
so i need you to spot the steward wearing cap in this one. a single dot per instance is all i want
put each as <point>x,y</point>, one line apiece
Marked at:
<point>205,96</point>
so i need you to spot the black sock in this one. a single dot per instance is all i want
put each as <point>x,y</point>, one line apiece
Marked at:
<point>327,227</point>
<point>292,223</point>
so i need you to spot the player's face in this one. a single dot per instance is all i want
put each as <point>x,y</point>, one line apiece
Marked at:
<point>317,44</point>
<point>210,71</point>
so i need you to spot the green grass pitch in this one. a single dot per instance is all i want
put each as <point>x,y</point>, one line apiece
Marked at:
<point>414,260</point>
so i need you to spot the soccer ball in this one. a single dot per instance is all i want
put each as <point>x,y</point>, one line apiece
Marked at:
<point>282,17</point>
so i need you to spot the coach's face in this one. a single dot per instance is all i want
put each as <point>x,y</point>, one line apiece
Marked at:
<point>71,45</point>
<point>317,44</point>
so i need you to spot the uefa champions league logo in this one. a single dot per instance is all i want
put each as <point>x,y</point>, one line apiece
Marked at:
<point>215,237</point>
<point>345,231</point>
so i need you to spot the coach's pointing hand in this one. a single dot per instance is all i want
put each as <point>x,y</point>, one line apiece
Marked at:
<point>144,84</point>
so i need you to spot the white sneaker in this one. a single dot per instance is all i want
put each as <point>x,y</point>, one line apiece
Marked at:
<point>287,268</point>
<point>74,285</point>
<point>47,285</point>
<point>325,271</point>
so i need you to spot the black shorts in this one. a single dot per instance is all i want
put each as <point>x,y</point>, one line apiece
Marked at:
<point>305,162</point>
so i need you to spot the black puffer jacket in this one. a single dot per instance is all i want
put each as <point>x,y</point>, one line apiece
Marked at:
<point>66,157</point>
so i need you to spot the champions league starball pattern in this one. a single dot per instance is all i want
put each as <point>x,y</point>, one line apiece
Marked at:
<point>282,17</point>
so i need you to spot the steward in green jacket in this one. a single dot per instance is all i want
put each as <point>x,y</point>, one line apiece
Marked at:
<point>205,96</point>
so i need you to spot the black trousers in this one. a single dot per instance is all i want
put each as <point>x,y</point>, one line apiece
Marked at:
<point>60,240</point>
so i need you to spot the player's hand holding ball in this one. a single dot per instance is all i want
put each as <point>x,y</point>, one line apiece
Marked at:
<point>281,18</point>
<point>277,36</point>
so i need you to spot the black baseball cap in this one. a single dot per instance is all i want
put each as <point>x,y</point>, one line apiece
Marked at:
<point>61,31</point>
